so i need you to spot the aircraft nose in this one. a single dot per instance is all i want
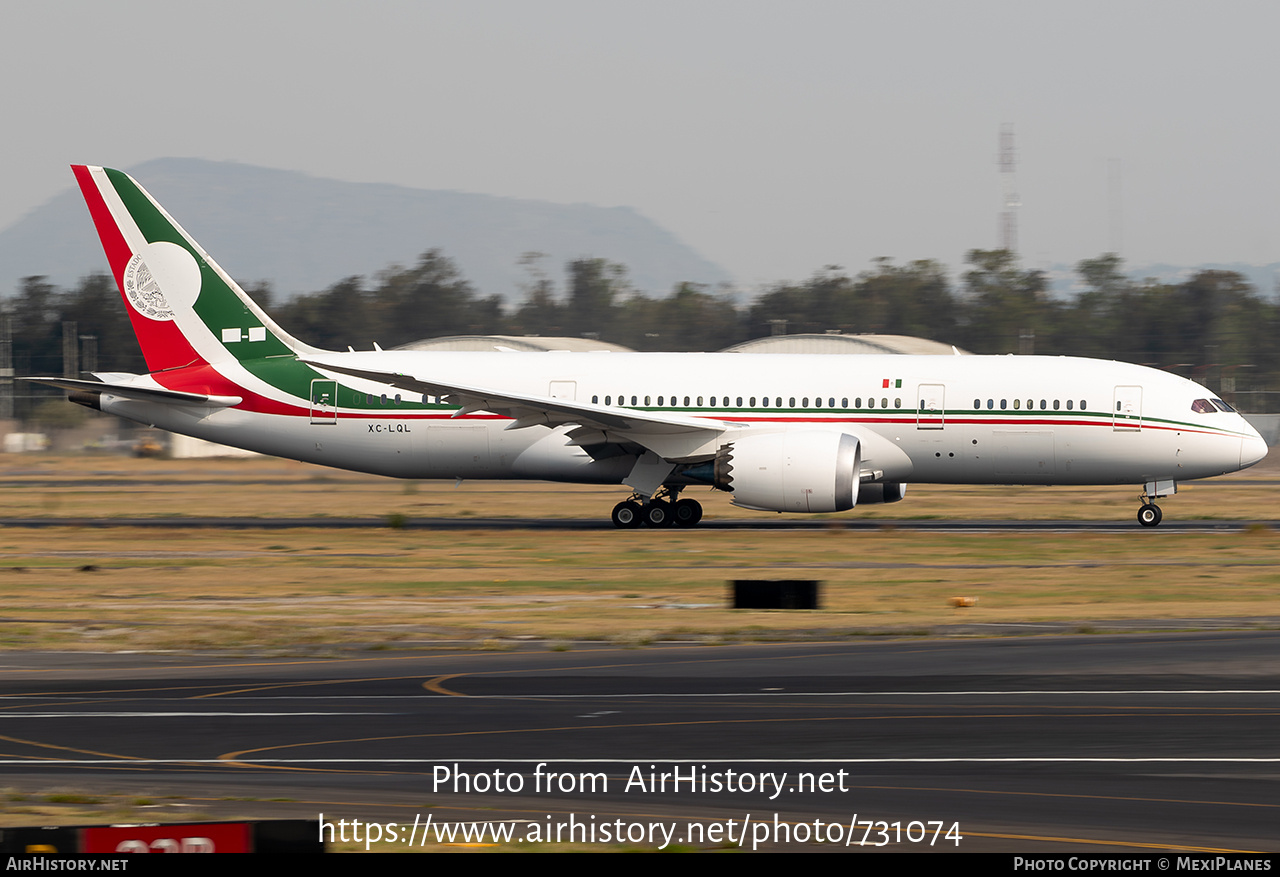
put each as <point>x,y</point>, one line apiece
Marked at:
<point>1252,449</point>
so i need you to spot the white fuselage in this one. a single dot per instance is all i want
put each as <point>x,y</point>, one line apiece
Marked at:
<point>921,419</point>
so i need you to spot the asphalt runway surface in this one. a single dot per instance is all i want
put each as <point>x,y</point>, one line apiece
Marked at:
<point>1027,744</point>
<point>774,524</point>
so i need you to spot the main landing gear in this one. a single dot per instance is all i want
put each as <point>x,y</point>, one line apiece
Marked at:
<point>664,510</point>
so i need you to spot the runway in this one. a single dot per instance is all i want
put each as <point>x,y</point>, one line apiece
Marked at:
<point>1035,744</point>
<point>770,524</point>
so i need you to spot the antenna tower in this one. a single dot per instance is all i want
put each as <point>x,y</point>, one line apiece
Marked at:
<point>1008,162</point>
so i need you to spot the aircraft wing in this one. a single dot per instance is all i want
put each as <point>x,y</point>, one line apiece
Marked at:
<point>139,392</point>
<point>671,436</point>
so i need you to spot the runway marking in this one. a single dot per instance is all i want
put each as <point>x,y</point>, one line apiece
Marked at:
<point>436,685</point>
<point>304,684</point>
<point>771,694</point>
<point>82,671</point>
<point>19,740</point>
<point>657,759</point>
<point>161,715</point>
<point>1107,843</point>
<point>236,755</point>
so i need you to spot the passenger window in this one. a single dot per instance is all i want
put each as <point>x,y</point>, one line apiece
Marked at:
<point>844,403</point>
<point>1043,405</point>
<point>739,401</point>
<point>660,398</point>
<point>1070,402</point>
<point>1017,403</point>
<point>646,400</point>
<point>753,402</point>
<point>686,402</point>
<point>792,402</point>
<point>817,403</point>
<point>699,401</point>
<point>884,403</point>
<point>608,400</point>
<point>1055,404</point>
<point>897,403</point>
<point>977,404</point>
<point>804,403</point>
<point>1003,404</point>
<point>871,403</point>
<point>991,403</point>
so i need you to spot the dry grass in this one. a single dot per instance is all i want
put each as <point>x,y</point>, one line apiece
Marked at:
<point>377,587</point>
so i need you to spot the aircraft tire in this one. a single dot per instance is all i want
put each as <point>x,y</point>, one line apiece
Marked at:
<point>686,513</point>
<point>658,514</point>
<point>1150,515</point>
<point>627,514</point>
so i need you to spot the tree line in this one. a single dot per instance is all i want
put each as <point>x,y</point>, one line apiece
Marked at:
<point>1214,327</point>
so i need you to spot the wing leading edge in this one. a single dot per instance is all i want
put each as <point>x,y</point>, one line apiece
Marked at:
<point>673,437</point>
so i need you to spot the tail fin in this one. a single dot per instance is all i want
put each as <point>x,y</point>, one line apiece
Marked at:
<point>185,310</point>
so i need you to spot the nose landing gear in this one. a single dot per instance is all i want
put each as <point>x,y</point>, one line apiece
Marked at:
<point>1149,515</point>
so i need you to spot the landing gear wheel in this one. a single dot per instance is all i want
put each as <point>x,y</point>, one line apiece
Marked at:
<point>658,514</point>
<point>687,512</point>
<point>1149,515</point>
<point>627,514</point>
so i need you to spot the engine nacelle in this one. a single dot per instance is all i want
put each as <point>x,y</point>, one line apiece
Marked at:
<point>811,471</point>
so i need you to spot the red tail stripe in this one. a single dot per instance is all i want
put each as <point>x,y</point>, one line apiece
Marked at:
<point>163,344</point>
<point>113,242</point>
<point>207,379</point>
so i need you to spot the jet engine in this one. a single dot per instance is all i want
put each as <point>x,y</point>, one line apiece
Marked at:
<point>811,471</point>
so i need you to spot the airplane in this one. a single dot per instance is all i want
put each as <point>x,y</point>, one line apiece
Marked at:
<point>791,433</point>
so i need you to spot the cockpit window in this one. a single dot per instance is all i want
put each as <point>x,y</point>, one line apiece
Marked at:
<point>1223,406</point>
<point>1202,406</point>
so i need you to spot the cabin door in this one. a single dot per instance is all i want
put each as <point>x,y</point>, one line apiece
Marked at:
<point>324,401</point>
<point>563,390</point>
<point>1126,412</point>
<point>932,410</point>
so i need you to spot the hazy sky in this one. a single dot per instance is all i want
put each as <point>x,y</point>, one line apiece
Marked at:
<point>774,137</point>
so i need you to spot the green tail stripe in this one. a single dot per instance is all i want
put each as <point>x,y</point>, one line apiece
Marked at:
<point>218,306</point>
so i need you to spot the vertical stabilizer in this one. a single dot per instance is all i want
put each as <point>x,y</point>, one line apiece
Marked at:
<point>185,309</point>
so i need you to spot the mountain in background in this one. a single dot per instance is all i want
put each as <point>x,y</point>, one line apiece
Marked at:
<point>302,233</point>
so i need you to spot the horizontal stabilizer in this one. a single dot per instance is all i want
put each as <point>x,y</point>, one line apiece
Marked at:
<point>139,392</point>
